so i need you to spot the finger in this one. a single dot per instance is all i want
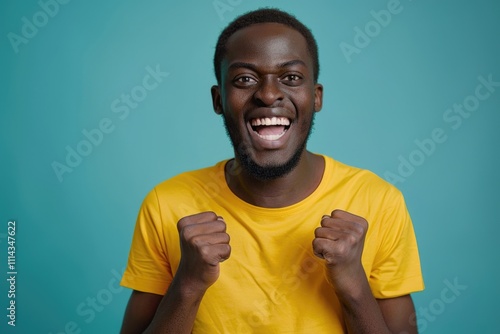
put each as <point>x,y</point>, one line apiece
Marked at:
<point>337,213</point>
<point>224,252</point>
<point>347,216</point>
<point>335,224</point>
<point>345,226</point>
<point>327,233</point>
<point>207,228</point>
<point>326,221</point>
<point>210,239</point>
<point>319,245</point>
<point>197,219</point>
<point>213,254</point>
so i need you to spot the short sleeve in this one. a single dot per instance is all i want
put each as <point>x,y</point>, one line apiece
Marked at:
<point>148,268</point>
<point>396,269</point>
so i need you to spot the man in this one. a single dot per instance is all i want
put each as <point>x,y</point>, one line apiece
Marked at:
<point>278,239</point>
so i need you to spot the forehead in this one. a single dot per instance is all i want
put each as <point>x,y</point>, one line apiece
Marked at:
<point>266,43</point>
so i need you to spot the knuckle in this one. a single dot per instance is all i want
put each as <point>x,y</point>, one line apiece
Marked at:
<point>188,232</point>
<point>318,244</point>
<point>227,250</point>
<point>352,239</point>
<point>205,252</point>
<point>360,227</point>
<point>196,241</point>
<point>220,225</point>
<point>314,243</point>
<point>210,215</point>
<point>340,250</point>
<point>325,222</point>
<point>181,224</point>
<point>225,253</point>
<point>337,213</point>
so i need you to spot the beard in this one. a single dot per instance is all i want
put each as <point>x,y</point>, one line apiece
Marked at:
<point>268,171</point>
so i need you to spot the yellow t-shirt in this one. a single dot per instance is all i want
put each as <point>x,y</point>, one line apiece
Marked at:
<point>272,282</point>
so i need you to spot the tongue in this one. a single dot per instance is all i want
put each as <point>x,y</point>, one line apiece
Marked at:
<point>270,130</point>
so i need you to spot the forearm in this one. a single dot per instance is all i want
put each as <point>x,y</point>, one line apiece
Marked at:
<point>360,309</point>
<point>362,313</point>
<point>177,310</point>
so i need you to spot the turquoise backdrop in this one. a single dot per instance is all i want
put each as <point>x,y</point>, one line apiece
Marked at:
<point>101,100</point>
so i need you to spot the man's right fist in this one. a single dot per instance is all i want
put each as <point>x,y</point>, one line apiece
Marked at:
<point>204,244</point>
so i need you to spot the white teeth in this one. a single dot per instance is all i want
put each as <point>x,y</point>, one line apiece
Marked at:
<point>270,121</point>
<point>271,137</point>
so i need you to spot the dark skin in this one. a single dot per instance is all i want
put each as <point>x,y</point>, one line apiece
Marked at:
<point>268,72</point>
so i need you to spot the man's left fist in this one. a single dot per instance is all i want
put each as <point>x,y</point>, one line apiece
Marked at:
<point>340,241</point>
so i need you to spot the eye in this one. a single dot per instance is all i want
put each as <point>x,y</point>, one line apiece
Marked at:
<point>244,80</point>
<point>291,79</point>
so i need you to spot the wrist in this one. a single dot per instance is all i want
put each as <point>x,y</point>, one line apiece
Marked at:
<point>187,288</point>
<point>350,284</point>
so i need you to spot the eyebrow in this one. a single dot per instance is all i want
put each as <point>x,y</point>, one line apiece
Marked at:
<point>252,67</point>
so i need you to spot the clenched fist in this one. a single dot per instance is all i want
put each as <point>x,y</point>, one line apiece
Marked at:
<point>340,241</point>
<point>204,244</point>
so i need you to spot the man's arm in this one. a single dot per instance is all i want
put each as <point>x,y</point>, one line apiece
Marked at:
<point>339,241</point>
<point>365,314</point>
<point>204,244</point>
<point>150,313</point>
<point>398,313</point>
<point>140,311</point>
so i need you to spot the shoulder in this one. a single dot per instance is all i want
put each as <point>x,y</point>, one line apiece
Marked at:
<point>199,182</point>
<point>361,181</point>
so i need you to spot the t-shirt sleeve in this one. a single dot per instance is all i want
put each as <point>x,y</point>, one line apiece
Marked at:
<point>396,269</point>
<point>148,268</point>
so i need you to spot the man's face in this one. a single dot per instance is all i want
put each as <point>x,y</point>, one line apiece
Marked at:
<point>267,97</point>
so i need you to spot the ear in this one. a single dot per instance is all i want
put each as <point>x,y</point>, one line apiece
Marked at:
<point>216,99</point>
<point>318,97</point>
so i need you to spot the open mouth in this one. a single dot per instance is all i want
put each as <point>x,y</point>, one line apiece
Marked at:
<point>270,128</point>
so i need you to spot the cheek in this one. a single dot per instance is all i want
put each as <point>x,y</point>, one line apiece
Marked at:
<point>235,95</point>
<point>235,106</point>
<point>241,98</point>
<point>304,104</point>
<point>305,125</point>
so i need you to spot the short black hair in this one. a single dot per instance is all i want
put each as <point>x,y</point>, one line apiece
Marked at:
<point>264,15</point>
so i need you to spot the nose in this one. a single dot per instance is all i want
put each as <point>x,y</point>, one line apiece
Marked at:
<point>269,92</point>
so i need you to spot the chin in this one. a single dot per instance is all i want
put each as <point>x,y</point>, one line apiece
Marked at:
<point>264,170</point>
<point>269,171</point>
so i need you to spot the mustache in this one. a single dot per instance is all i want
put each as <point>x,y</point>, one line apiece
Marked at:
<point>264,173</point>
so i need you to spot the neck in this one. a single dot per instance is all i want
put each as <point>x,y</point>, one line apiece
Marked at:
<point>280,192</point>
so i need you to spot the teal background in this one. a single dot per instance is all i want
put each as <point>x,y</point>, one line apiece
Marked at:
<point>73,236</point>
